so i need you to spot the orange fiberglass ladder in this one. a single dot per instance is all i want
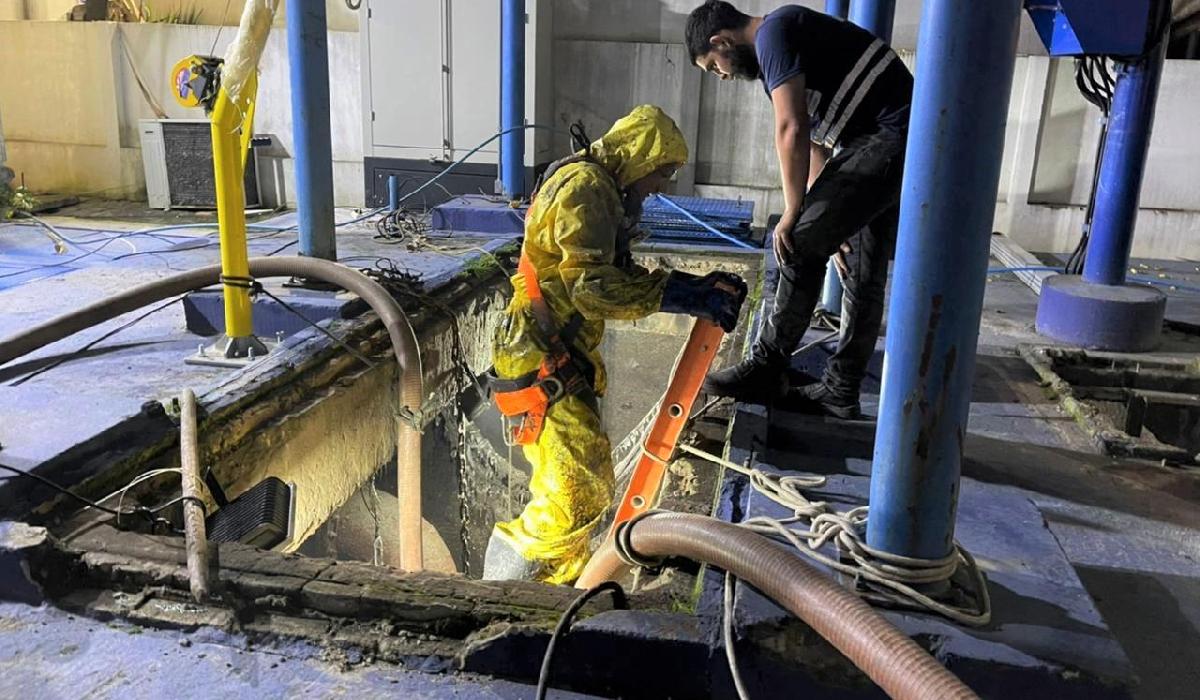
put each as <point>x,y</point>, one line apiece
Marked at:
<point>673,414</point>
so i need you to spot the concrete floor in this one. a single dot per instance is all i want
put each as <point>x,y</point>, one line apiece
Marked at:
<point>46,654</point>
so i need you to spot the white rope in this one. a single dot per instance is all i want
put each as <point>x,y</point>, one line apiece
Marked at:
<point>890,578</point>
<point>140,478</point>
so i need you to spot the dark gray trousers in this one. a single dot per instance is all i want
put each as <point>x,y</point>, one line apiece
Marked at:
<point>856,198</point>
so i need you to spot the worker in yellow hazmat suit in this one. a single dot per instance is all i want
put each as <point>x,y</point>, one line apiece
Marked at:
<point>575,273</point>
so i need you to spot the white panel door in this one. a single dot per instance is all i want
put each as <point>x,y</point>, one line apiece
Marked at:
<point>475,76</point>
<point>406,74</point>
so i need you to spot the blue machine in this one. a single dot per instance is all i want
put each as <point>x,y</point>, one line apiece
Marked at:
<point>1092,27</point>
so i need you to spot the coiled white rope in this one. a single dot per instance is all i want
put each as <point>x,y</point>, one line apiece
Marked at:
<point>889,578</point>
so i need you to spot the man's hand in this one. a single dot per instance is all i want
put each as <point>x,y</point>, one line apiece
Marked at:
<point>839,259</point>
<point>782,242</point>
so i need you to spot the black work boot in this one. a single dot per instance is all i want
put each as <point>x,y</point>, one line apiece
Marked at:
<point>819,400</point>
<point>753,380</point>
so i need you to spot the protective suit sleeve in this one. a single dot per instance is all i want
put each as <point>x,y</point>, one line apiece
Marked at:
<point>586,231</point>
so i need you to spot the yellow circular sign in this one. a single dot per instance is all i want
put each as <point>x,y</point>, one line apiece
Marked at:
<point>181,81</point>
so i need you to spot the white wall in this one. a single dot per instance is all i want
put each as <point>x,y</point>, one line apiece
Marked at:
<point>71,103</point>
<point>1050,152</point>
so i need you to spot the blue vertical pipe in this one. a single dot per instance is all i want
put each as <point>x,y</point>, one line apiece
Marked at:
<point>1122,168</point>
<point>875,16</point>
<point>831,293</point>
<point>512,97</point>
<point>308,60</point>
<point>838,8</point>
<point>393,183</point>
<point>965,55</point>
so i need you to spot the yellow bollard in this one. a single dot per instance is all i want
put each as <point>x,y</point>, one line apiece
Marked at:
<point>232,124</point>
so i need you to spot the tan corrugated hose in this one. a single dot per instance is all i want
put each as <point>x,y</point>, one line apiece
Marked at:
<point>901,668</point>
<point>404,342</point>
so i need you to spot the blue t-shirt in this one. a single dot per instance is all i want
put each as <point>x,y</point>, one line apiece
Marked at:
<point>855,83</point>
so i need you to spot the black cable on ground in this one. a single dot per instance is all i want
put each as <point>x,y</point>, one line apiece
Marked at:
<point>257,288</point>
<point>620,602</point>
<point>150,514</point>
<point>92,344</point>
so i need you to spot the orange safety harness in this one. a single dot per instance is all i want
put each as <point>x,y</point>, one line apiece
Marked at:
<point>562,372</point>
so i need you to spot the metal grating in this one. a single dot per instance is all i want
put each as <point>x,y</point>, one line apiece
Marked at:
<point>731,217</point>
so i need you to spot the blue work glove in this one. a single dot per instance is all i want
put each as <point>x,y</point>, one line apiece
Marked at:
<point>715,297</point>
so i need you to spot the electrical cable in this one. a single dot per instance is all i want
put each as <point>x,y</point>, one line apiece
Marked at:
<point>281,229</point>
<point>727,609</point>
<point>257,288</point>
<point>819,341</point>
<point>150,514</point>
<point>579,137</point>
<point>620,602</point>
<point>220,26</point>
<point>63,263</point>
<point>1096,84</point>
<point>91,344</point>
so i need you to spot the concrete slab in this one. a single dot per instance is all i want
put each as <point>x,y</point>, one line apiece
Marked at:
<point>92,397</point>
<point>46,653</point>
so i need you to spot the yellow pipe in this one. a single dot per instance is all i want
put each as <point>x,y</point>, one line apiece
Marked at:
<point>232,124</point>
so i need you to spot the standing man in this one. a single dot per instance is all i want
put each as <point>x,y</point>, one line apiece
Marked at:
<point>576,273</point>
<point>835,89</point>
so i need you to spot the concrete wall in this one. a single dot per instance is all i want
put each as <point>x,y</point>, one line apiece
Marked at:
<point>1049,158</point>
<point>71,103</point>
<point>600,70</point>
<point>341,17</point>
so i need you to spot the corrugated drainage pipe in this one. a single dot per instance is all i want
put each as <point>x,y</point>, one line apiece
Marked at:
<point>404,342</point>
<point>901,668</point>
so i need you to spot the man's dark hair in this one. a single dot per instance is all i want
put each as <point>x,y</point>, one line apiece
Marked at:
<point>709,19</point>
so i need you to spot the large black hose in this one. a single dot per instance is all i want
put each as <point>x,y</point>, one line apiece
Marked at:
<point>901,668</point>
<point>404,342</point>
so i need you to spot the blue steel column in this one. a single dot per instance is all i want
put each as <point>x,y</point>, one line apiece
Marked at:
<point>831,293</point>
<point>512,97</point>
<point>965,59</point>
<point>308,59</point>
<point>1122,168</point>
<point>875,16</point>
<point>838,8</point>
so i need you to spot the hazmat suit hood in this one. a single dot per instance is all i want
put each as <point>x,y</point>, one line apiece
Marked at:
<point>639,143</point>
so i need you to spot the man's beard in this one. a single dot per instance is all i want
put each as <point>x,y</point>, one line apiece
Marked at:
<point>743,62</point>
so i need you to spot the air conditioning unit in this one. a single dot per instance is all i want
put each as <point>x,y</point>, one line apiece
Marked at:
<point>177,158</point>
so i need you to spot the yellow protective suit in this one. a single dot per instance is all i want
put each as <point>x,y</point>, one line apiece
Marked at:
<point>571,240</point>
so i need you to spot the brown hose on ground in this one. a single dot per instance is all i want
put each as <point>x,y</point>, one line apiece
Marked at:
<point>901,668</point>
<point>404,343</point>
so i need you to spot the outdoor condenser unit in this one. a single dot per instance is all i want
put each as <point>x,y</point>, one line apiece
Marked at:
<point>177,157</point>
